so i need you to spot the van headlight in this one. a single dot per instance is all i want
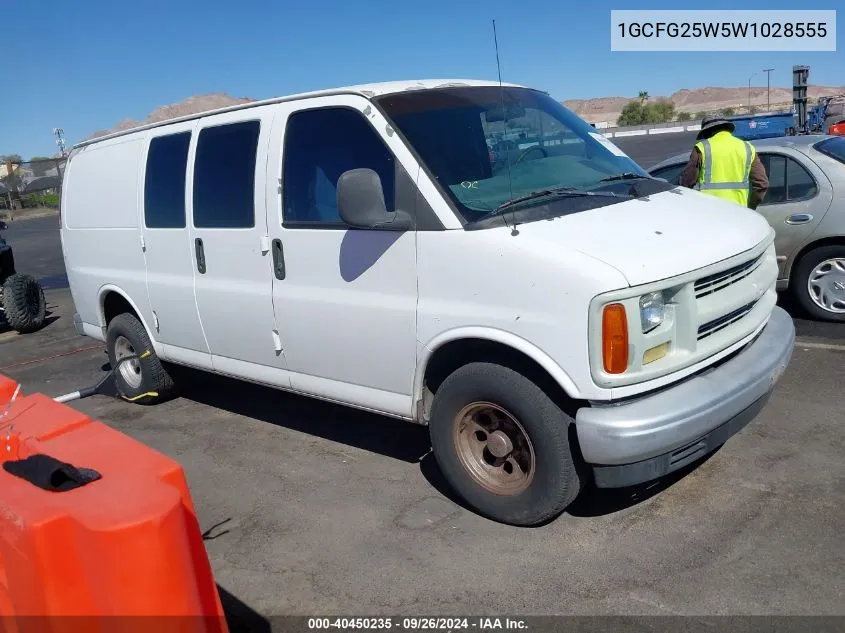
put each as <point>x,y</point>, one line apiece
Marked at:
<point>652,310</point>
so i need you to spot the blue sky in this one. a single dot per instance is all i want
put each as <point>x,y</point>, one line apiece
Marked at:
<point>86,65</point>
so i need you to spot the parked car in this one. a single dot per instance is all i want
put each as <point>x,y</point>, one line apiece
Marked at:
<point>559,317</point>
<point>805,205</point>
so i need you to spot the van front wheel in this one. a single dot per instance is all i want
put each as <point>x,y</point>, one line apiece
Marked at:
<point>143,379</point>
<point>503,445</point>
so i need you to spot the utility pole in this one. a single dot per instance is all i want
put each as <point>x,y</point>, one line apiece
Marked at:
<point>749,92</point>
<point>768,72</point>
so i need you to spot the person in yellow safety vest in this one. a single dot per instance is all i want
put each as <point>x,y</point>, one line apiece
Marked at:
<point>725,166</point>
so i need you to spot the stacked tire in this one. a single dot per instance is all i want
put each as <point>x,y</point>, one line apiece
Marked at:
<point>23,303</point>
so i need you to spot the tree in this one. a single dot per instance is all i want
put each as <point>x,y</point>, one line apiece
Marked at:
<point>41,165</point>
<point>643,96</point>
<point>684,116</point>
<point>660,111</point>
<point>632,114</point>
<point>701,115</point>
<point>13,181</point>
<point>635,113</point>
<point>15,159</point>
<point>727,111</point>
<point>753,110</point>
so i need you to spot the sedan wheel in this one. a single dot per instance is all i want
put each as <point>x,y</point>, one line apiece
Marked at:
<point>826,285</point>
<point>818,283</point>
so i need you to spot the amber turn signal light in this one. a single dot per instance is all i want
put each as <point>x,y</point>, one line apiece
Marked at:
<point>614,338</point>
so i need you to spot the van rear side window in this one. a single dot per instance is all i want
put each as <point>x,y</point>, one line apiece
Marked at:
<point>224,176</point>
<point>164,184</point>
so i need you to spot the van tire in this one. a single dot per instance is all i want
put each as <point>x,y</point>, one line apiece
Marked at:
<point>23,303</point>
<point>145,381</point>
<point>801,277</point>
<point>516,402</point>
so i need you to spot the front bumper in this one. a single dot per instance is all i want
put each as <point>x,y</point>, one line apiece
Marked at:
<point>653,435</point>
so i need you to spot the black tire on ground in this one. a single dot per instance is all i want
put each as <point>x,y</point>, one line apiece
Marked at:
<point>24,303</point>
<point>801,275</point>
<point>150,381</point>
<point>556,480</point>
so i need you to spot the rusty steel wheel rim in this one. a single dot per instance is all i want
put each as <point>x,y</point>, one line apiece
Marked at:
<point>494,448</point>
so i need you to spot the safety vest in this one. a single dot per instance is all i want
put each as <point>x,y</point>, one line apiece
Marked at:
<point>725,167</point>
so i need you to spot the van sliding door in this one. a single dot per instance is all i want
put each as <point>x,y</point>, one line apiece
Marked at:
<point>230,247</point>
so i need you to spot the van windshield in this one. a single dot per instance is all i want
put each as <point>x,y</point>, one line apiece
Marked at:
<point>487,146</point>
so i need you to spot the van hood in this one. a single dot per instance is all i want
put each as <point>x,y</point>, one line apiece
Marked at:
<point>654,238</point>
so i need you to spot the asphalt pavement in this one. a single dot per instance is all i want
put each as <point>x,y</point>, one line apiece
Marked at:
<point>650,149</point>
<point>312,508</point>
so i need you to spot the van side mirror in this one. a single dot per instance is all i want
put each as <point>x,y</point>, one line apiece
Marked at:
<point>360,201</point>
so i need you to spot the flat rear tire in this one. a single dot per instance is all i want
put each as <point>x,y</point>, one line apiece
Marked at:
<point>145,380</point>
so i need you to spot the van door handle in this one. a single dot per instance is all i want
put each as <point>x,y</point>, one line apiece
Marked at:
<point>799,218</point>
<point>278,259</point>
<point>200,252</point>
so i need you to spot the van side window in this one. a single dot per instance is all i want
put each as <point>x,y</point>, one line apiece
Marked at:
<point>224,176</point>
<point>319,146</point>
<point>164,184</point>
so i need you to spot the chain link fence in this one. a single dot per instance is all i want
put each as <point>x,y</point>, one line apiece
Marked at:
<point>31,187</point>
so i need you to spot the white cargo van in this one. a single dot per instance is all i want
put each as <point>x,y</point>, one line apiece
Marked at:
<point>460,254</point>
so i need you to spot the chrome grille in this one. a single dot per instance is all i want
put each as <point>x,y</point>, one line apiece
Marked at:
<point>711,327</point>
<point>721,280</point>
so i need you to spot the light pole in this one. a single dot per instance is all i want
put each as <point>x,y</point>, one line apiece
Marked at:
<point>768,72</point>
<point>749,92</point>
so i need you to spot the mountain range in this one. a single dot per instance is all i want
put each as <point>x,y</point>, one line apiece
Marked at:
<point>598,110</point>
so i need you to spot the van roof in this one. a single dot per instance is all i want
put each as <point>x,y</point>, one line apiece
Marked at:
<point>368,91</point>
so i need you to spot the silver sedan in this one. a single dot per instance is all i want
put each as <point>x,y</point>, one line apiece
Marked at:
<point>805,205</point>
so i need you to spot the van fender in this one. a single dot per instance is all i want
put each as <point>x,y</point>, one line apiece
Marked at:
<point>101,300</point>
<point>497,336</point>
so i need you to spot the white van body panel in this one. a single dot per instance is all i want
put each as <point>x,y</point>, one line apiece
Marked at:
<point>100,215</point>
<point>512,288</point>
<point>672,233</point>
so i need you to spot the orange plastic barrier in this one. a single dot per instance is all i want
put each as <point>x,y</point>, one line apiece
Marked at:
<point>127,546</point>
<point>7,390</point>
<point>838,129</point>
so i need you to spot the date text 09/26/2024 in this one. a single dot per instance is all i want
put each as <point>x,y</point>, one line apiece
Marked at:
<point>416,624</point>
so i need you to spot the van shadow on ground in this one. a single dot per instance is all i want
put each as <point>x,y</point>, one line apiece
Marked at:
<point>399,440</point>
<point>378,434</point>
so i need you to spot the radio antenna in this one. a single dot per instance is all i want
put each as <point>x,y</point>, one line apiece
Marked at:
<point>504,125</point>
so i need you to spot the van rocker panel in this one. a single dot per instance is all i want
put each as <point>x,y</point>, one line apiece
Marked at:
<point>654,427</point>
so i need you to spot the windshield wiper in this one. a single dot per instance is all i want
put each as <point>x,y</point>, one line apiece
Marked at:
<point>566,192</point>
<point>628,175</point>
